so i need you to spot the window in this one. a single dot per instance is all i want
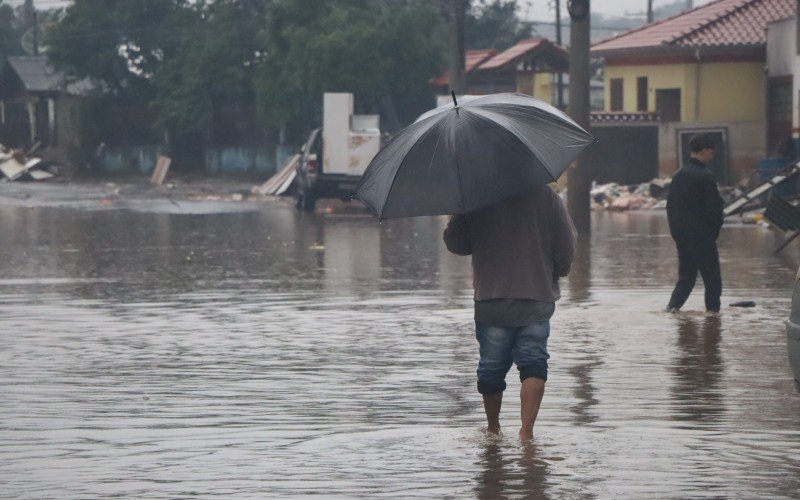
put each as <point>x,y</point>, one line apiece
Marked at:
<point>668,104</point>
<point>616,94</point>
<point>641,93</point>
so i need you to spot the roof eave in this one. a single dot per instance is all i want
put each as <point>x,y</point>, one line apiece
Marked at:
<point>664,49</point>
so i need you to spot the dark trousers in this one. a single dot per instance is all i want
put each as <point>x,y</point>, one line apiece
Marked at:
<point>697,255</point>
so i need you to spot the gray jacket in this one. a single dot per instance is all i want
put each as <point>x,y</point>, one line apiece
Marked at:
<point>519,247</point>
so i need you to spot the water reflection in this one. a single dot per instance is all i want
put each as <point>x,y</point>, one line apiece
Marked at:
<point>293,354</point>
<point>584,391</point>
<point>579,280</point>
<point>698,370</point>
<point>508,472</point>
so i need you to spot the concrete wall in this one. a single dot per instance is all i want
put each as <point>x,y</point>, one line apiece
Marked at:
<point>719,99</point>
<point>659,76</point>
<point>732,92</point>
<point>127,159</point>
<point>240,159</point>
<point>539,85</point>
<point>746,145</point>
<point>142,159</point>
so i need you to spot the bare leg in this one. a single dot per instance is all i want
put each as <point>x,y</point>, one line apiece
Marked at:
<point>531,394</point>
<point>491,405</point>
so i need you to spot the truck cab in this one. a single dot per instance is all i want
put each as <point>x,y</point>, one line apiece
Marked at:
<point>334,157</point>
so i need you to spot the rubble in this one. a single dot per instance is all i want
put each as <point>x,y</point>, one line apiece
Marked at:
<point>619,197</point>
<point>645,196</point>
<point>16,165</point>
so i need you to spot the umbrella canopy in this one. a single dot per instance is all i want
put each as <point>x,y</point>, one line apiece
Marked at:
<point>456,159</point>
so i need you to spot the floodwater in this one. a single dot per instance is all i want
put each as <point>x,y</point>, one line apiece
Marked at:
<point>163,349</point>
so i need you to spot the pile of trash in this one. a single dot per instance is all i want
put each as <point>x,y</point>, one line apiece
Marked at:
<point>15,165</point>
<point>645,196</point>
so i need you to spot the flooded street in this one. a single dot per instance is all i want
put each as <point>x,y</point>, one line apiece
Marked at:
<point>206,348</point>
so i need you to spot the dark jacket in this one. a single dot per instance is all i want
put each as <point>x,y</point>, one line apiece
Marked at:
<point>519,247</point>
<point>694,206</point>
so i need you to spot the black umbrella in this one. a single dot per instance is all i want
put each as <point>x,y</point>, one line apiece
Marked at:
<point>458,158</point>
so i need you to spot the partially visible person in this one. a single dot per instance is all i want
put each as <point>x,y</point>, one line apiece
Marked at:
<point>520,247</point>
<point>694,210</point>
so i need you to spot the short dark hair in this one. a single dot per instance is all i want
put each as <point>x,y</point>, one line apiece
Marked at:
<point>699,142</point>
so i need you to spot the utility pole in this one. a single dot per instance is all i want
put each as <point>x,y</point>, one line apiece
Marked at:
<point>649,11</point>
<point>579,178</point>
<point>31,23</point>
<point>558,42</point>
<point>35,33</point>
<point>458,15</point>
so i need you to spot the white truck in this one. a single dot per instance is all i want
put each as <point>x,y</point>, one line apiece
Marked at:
<point>334,157</point>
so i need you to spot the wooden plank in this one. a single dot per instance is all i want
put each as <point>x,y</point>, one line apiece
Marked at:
<point>39,175</point>
<point>274,184</point>
<point>762,188</point>
<point>160,172</point>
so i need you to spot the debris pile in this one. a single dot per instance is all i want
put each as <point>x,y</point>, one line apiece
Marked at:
<point>15,165</point>
<point>613,196</point>
<point>646,196</point>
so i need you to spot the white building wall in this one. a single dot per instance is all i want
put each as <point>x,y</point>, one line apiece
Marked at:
<point>783,59</point>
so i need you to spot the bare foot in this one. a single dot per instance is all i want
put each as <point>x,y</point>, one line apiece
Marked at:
<point>525,435</point>
<point>494,430</point>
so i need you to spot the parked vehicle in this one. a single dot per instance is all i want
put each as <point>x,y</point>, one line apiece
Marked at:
<point>793,333</point>
<point>334,157</point>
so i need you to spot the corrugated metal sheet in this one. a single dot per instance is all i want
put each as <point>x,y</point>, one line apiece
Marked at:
<point>38,76</point>
<point>719,23</point>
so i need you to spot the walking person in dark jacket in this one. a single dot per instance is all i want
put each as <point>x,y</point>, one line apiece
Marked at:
<point>520,247</point>
<point>694,210</point>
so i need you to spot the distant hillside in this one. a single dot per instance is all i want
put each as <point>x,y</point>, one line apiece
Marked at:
<point>607,26</point>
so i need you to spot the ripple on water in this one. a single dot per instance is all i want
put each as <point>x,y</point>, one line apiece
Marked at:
<point>266,367</point>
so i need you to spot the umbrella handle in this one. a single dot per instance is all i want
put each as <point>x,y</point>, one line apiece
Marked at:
<point>455,102</point>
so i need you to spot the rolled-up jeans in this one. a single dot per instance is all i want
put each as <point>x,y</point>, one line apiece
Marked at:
<point>525,346</point>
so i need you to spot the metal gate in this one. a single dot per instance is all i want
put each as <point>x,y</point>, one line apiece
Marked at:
<point>625,154</point>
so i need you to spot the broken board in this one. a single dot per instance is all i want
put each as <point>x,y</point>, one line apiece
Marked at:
<point>160,172</point>
<point>282,180</point>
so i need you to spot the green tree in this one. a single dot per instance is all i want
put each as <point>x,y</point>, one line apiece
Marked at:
<point>383,52</point>
<point>186,57</point>
<point>10,31</point>
<point>494,24</point>
<point>215,63</point>
<point>118,42</point>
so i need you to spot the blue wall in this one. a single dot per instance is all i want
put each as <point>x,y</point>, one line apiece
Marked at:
<point>142,159</point>
<point>239,159</point>
<point>126,159</point>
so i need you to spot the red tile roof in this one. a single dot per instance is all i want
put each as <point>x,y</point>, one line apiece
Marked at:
<point>508,55</point>
<point>489,59</point>
<point>472,59</point>
<point>719,23</point>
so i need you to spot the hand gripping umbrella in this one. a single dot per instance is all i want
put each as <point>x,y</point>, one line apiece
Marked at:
<point>458,158</point>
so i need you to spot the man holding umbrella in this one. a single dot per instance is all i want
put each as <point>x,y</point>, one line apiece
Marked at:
<point>490,161</point>
<point>520,248</point>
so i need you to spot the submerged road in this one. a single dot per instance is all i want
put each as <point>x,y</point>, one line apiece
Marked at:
<point>212,348</point>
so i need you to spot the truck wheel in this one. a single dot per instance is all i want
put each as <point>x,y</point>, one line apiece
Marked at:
<point>306,201</point>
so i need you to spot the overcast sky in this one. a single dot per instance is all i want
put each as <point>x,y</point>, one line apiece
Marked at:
<point>535,9</point>
<point>544,10</point>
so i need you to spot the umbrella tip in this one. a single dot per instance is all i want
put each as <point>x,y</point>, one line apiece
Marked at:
<point>455,102</point>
